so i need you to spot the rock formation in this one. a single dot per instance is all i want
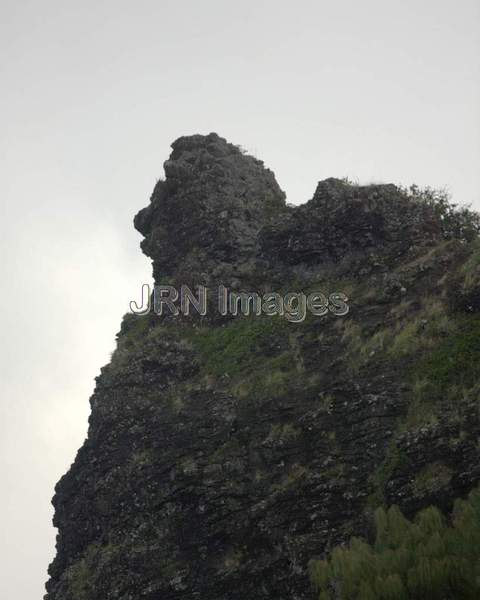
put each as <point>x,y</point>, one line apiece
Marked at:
<point>224,453</point>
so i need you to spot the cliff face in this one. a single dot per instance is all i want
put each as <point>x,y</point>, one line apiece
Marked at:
<point>224,453</point>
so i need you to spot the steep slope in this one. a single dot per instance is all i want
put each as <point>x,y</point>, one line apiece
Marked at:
<point>225,452</point>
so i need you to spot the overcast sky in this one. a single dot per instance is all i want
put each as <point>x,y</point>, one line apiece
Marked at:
<point>94,92</point>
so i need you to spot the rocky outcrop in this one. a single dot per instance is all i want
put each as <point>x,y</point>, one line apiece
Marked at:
<point>224,454</point>
<point>203,220</point>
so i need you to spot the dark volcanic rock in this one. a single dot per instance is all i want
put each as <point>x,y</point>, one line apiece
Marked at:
<point>204,219</point>
<point>222,455</point>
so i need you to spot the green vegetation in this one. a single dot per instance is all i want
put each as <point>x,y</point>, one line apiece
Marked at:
<point>432,478</point>
<point>81,574</point>
<point>237,347</point>
<point>422,333</point>
<point>423,406</point>
<point>282,434</point>
<point>133,332</point>
<point>134,328</point>
<point>463,286</point>
<point>395,458</point>
<point>472,264</point>
<point>401,338</point>
<point>423,559</point>
<point>456,221</point>
<point>257,354</point>
<point>438,351</point>
<point>291,479</point>
<point>456,359</point>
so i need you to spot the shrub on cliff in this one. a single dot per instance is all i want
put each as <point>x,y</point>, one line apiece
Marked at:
<point>424,559</point>
<point>458,222</point>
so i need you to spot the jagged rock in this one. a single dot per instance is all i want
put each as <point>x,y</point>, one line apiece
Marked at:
<point>222,455</point>
<point>204,219</point>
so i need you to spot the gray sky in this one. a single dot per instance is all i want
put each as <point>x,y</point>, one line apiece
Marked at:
<point>93,93</point>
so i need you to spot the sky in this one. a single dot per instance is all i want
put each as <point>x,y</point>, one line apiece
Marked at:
<point>93,94</point>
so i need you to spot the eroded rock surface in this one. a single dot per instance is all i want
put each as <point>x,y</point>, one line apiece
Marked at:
<point>224,454</point>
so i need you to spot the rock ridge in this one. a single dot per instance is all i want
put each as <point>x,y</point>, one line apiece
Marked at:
<point>222,456</point>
